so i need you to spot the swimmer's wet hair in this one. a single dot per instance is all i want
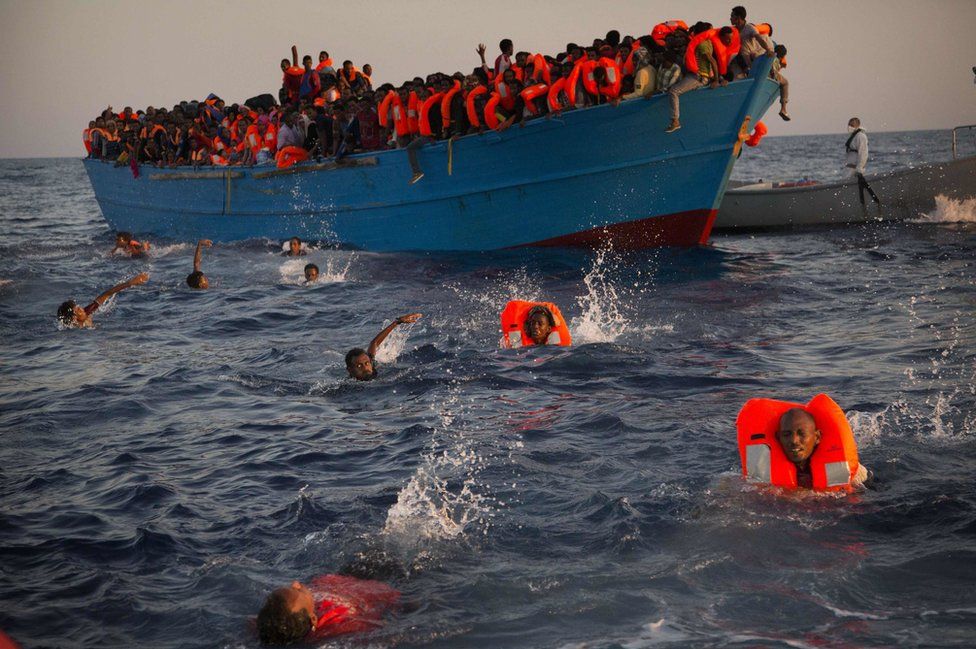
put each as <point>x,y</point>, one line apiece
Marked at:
<point>193,279</point>
<point>66,312</point>
<point>278,625</point>
<point>543,310</point>
<point>124,236</point>
<point>352,354</point>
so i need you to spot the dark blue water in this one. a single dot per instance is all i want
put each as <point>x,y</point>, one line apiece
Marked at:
<point>161,472</point>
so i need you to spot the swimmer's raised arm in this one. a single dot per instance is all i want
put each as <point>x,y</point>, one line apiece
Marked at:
<point>199,254</point>
<point>141,278</point>
<point>381,336</point>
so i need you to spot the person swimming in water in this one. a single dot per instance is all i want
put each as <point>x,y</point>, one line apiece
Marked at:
<point>294,248</point>
<point>533,323</point>
<point>125,244</point>
<point>799,436</point>
<point>360,362</point>
<point>197,279</point>
<point>311,273</point>
<point>72,315</point>
<point>328,606</point>
<point>539,323</point>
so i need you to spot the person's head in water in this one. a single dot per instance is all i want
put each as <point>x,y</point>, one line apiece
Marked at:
<point>288,615</point>
<point>122,239</point>
<point>294,246</point>
<point>798,435</point>
<point>311,272</point>
<point>539,323</point>
<point>197,279</point>
<point>69,313</point>
<point>359,364</point>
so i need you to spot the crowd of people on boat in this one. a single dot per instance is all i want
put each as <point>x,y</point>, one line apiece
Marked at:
<point>328,111</point>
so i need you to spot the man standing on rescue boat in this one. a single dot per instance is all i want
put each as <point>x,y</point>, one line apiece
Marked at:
<point>856,150</point>
<point>798,435</point>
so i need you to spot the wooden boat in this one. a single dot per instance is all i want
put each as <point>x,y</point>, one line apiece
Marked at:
<point>904,194</point>
<point>587,176</point>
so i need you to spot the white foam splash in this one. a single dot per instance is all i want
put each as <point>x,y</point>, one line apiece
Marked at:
<point>333,271</point>
<point>602,320</point>
<point>394,344</point>
<point>486,304</point>
<point>444,499</point>
<point>950,210</point>
<point>163,251</point>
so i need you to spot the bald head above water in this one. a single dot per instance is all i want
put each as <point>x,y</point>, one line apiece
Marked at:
<point>798,435</point>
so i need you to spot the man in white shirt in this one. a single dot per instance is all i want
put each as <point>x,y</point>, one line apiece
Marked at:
<point>856,150</point>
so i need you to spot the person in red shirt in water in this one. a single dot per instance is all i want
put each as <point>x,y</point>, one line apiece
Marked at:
<point>327,606</point>
<point>73,315</point>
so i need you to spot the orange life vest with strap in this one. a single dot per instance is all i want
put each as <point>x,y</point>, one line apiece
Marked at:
<point>559,86</point>
<point>531,93</point>
<point>519,72</point>
<point>471,107</point>
<point>833,464</point>
<point>662,30</point>
<point>446,104</point>
<point>431,103</point>
<point>757,134</point>
<point>721,53</point>
<point>513,324</point>
<point>323,64</point>
<point>253,139</point>
<point>271,138</point>
<point>765,29</point>
<point>291,155</point>
<point>491,118</point>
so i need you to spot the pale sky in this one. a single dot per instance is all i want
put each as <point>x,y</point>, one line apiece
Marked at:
<point>898,65</point>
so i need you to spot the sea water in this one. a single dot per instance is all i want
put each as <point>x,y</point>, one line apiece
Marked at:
<point>160,473</point>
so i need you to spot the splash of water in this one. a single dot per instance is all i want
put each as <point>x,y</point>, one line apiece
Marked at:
<point>394,344</point>
<point>602,320</point>
<point>445,499</point>
<point>485,305</point>
<point>950,210</point>
<point>332,271</point>
<point>166,250</point>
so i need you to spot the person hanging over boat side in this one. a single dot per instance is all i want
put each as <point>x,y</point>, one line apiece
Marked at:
<point>360,363</point>
<point>72,315</point>
<point>197,279</point>
<point>856,150</point>
<point>705,72</point>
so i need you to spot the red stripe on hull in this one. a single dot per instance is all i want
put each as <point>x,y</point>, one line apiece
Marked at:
<point>681,229</point>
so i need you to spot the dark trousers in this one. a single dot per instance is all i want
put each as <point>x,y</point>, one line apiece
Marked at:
<point>412,149</point>
<point>862,184</point>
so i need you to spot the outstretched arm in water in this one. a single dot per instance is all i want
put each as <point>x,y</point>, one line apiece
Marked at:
<point>381,336</point>
<point>141,278</point>
<point>198,257</point>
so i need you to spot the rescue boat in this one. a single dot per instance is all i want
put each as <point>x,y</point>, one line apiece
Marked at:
<point>587,176</point>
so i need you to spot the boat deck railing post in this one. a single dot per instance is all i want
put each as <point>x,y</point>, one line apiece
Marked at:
<point>969,126</point>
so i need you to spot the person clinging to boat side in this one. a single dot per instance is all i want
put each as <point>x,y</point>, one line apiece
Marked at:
<point>707,68</point>
<point>126,245</point>
<point>360,363</point>
<point>73,315</point>
<point>197,279</point>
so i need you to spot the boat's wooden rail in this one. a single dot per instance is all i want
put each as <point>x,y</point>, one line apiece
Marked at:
<point>230,174</point>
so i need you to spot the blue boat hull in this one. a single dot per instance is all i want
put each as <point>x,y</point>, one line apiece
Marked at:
<point>602,173</point>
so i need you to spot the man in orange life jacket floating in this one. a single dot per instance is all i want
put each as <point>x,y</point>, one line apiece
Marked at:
<point>533,323</point>
<point>799,446</point>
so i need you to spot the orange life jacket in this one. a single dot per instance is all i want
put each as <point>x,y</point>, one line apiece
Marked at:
<point>446,104</point>
<point>505,95</point>
<point>661,30</point>
<point>271,138</point>
<point>86,138</point>
<point>470,105</point>
<point>540,69</point>
<point>519,72</point>
<point>581,69</point>
<point>757,134</point>
<point>765,29</point>
<point>253,138</point>
<point>218,160</point>
<point>323,64</point>
<point>290,155</point>
<point>413,112</point>
<point>431,103</point>
<point>833,464</point>
<point>614,78</point>
<point>513,320</point>
<point>559,85</point>
<point>722,53</point>
<point>383,112</point>
<point>491,118</point>
<point>531,93</point>
<point>401,122</point>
